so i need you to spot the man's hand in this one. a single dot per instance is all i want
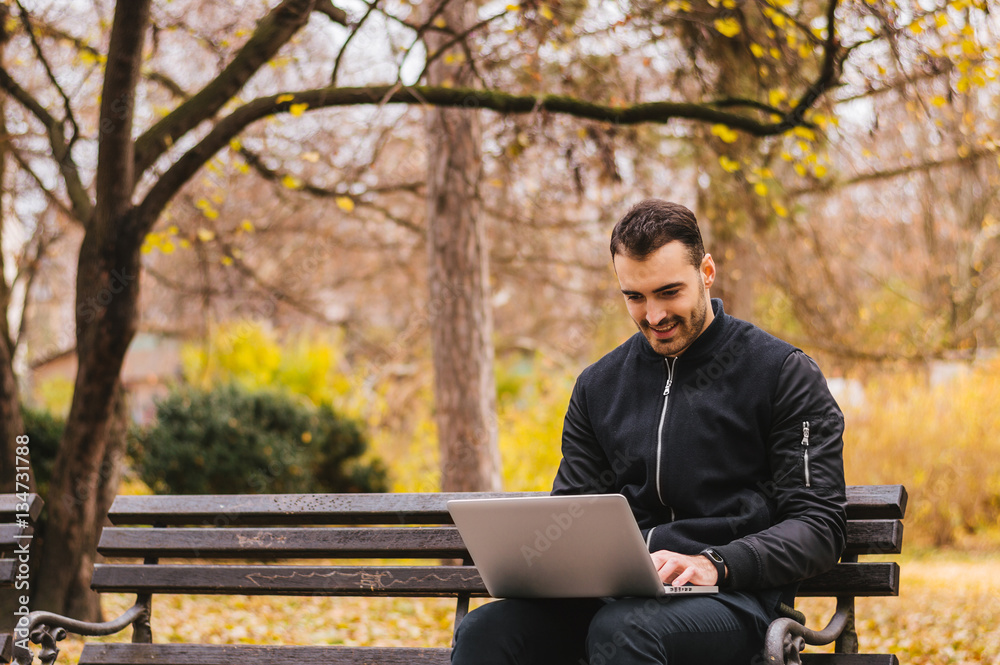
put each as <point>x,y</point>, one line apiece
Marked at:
<point>679,569</point>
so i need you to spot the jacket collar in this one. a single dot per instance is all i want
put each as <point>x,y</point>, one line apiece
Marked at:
<point>703,346</point>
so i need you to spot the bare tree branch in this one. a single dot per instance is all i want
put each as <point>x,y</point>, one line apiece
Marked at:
<point>61,153</point>
<point>272,32</point>
<point>67,107</point>
<point>230,126</point>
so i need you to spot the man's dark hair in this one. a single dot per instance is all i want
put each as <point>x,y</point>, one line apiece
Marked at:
<point>651,224</point>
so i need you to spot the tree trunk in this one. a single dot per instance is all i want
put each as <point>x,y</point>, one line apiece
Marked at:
<point>11,425</point>
<point>107,294</point>
<point>460,308</point>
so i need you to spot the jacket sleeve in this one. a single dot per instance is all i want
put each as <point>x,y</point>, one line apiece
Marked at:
<point>806,491</point>
<point>584,468</point>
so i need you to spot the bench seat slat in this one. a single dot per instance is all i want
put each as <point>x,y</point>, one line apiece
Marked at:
<point>278,580</point>
<point>849,659</point>
<point>855,579</point>
<point>283,542</point>
<point>239,654</point>
<point>864,502</point>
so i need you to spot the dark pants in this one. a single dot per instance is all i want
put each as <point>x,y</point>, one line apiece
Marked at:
<point>727,629</point>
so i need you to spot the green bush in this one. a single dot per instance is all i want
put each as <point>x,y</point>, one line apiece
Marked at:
<point>44,431</point>
<point>231,441</point>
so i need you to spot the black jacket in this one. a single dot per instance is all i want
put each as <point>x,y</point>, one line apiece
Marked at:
<point>735,444</point>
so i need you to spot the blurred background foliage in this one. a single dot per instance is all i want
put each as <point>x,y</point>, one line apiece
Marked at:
<point>296,260</point>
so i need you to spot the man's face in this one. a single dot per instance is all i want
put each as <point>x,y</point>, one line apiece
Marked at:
<point>667,297</point>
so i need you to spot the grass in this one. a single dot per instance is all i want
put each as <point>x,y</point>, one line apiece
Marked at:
<point>948,612</point>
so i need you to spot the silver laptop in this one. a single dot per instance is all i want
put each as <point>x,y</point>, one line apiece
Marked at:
<point>581,546</point>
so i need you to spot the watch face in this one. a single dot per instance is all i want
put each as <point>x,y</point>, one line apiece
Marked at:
<point>714,556</point>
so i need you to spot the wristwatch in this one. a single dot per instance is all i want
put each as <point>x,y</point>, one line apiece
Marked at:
<point>719,563</point>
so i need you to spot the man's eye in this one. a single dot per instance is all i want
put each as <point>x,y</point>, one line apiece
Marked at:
<point>633,297</point>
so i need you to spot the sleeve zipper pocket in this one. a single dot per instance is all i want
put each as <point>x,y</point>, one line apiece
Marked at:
<point>805,451</point>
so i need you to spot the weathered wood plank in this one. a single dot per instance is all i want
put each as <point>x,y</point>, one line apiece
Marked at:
<point>276,580</point>
<point>849,659</point>
<point>9,504</point>
<point>855,579</point>
<point>10,536</point>
<point>863,537</point>
<point>284,542</point>
<point>874,537</point>
<point>196,654</point>
<point>7,572</point>
<point>859,579</point>
<point>876,502</point>
<point>290,509</point>
<point>864,502</point>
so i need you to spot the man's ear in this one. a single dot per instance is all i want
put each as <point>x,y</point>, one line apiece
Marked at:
<point>707,270</point>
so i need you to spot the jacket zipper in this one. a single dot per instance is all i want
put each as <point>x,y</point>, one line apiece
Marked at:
<point>671,362</point>
<point>805,450</point>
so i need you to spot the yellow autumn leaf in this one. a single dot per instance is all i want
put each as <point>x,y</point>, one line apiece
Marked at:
<point>247,226</point>
<point>820,170</point>
<point>760,188</point>
<point>167,248</point>
<point>546,12</point>
<point>779,209</point>
<point>227,261</point>
<point>729,27</point>
<point>205,235</point>
<point>775,97</point>
<point>184,243</point>
<point>805,133</point>
<point>939,100</point>
<point>757,50</point>
<point>729,165</point>
<point>291,182</point>
<point>513,8</point>
<point>284,98</point>
<point>725,133</point>
<point>439,22</point>
<point>345,203</point>
<point>298,109</point>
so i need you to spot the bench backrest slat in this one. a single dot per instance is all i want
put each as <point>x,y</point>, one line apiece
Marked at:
<point>864,502</point>
<point>855,579</point>
<point>863,537</point>
<point>863,579</point>
<point>284,542</point>
<point>290,580</point>
<point>10,504</point>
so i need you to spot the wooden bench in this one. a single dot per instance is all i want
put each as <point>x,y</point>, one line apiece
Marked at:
<point>14,536</point>
<point>242,545</point>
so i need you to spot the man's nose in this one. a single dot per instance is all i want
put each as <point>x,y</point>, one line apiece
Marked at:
<point>655,313</point>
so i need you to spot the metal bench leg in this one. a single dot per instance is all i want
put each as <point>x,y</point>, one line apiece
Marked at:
<point>847,641</point>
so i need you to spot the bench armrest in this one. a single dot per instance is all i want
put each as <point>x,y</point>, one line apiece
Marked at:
<point>786,638</point>
<point>46,629</point>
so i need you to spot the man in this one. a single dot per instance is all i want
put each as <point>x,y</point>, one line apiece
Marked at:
<point>727,444</point>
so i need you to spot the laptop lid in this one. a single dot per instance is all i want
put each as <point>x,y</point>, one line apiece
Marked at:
<point>579,546</point>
